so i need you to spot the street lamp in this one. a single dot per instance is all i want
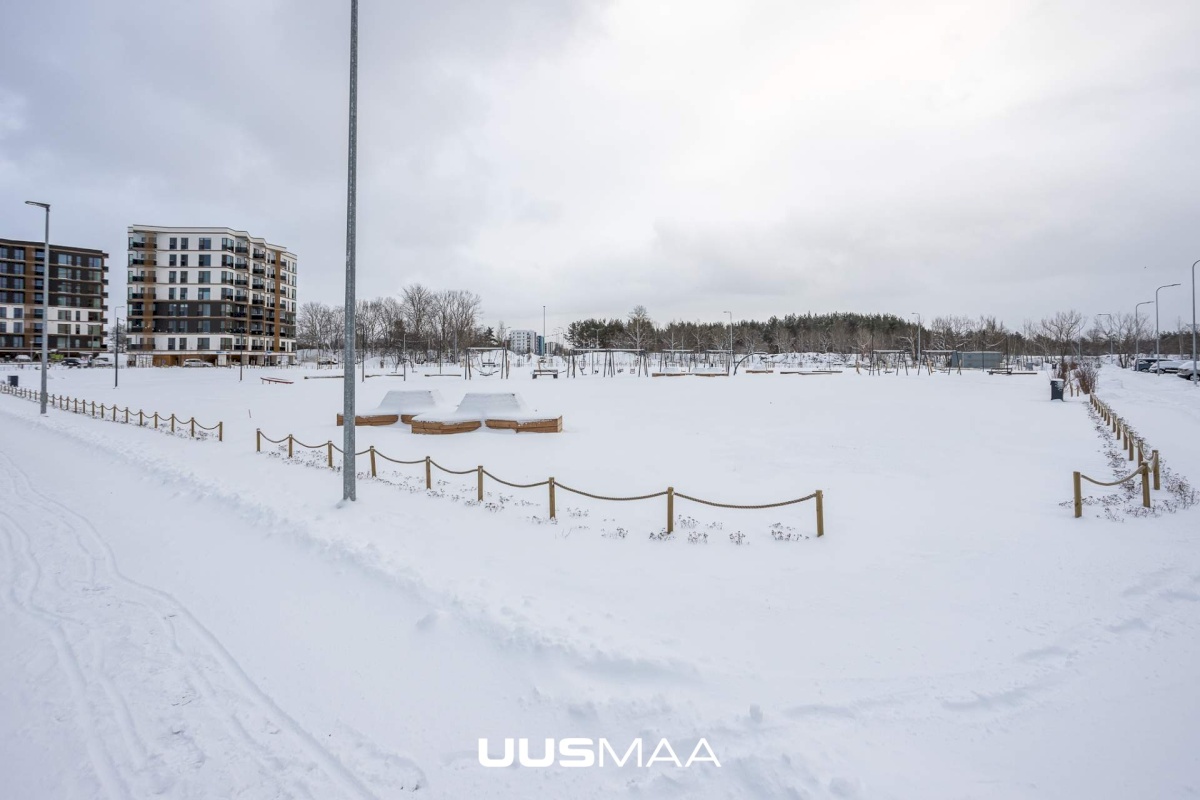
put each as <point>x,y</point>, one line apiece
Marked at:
<point>45,299</point>
<point>1157,336</point>
<point>1195,372</point>
<point>1137,332</point>
<point>1110,339</point>
<point>348,466</point>
<point>117,342</point>
<point>730,313</point>
<point>918,316</point>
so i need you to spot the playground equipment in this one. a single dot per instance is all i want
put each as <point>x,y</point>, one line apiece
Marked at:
<point>604,361</point>
<point>486,362</point>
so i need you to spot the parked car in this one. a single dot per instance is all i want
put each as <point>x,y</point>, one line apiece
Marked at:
<point>1186,369</point>
<point>196,362</point>
<point>1167,365</point>
<point>73,362</point>
<point>101,361</point>
<point>1151,364</point>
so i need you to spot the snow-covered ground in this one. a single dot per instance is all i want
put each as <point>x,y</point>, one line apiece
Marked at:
<point>192,619</point>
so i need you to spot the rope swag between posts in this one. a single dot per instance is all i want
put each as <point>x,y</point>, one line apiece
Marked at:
<point>552,485</point>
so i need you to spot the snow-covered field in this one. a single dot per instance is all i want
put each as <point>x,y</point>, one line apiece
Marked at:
<point>192,619</point>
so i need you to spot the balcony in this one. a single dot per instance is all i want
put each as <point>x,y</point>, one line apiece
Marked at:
<point>241,281</point>
<point>259,255</point>
<point>238,314</point>
<point>258,285</point>
<point>134,262</point>
<point>137,245</point>
<point>137,296</point>
<point>258,301</point>
<point>260,271</point>
<point>228,246</point>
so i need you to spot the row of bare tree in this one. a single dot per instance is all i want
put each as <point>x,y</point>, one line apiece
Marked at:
<point>421,324</point>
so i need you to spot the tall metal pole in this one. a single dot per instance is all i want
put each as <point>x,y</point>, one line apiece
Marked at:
<point>348,474</point>
<point>1137,332</point>
<point>1195,371</point>
<point>1110,340</point>
<point>45,298</point>
<point>919,325</point>
<point>117,344</point>
<point>730,313</point>
<point>1157,335</point>
<point>543,353</point>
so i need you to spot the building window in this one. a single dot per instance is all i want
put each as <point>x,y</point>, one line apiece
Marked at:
<point>202,343</point>
<point>205,243</point>
<point>183,243</point>
<point>171,259</point>
<point>204,260</point>
<point>171,293</point>
<point>183,276</point>
<point>174,244</point>
<point>204,277</point>
<point>170,342</point>
<point>203,294</point>
<point>183,294</point>
<point>183,259</point>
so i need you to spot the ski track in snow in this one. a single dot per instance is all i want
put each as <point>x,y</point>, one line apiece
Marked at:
<point>165,709</point>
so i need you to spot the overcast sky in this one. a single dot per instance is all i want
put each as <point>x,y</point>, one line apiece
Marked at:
<point>759,156</point>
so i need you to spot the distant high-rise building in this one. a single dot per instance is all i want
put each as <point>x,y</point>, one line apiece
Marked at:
<point>524,341</point>
<point>78,299</point>
<point>216,294</point>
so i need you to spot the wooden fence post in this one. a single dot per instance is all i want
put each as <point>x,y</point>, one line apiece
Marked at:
<point>1154,462</point>
<point>172,422</point>
<point>192,422</point>
<point>670,509</point>
<point>329,449</point>
<point>1079,494</point>
<point>140,418</point>
<point>289,445</point>
<point>479,483</point>
<point>1129,441</point>
<point>371,450</point>
<point>220,431</point>
<point>1145,470</point>
<point>820,513</point>
<point>550,483</point>
<point>428,474</point>
<point>258,440</point>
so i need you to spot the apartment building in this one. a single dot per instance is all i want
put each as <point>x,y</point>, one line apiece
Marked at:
<point>78,299</point>
<point>216,294</point>
<point>522,341</point>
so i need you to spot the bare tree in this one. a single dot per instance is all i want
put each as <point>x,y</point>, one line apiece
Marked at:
<point>640,327</point>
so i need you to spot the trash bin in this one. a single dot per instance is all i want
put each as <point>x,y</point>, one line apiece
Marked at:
<point>1056,388</point>
<point>12,380</point>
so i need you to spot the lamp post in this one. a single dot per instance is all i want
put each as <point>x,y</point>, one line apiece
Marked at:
<point>918,316</point>
<point>1195,371</point>
<point>45,298</point>
<point>1137,332</point>
<point>348,472</point>
<point>543,353</point>
<point>1157,336</point>
<point>730,313</point>
<point>117,343</point>
<point>1110,339</point>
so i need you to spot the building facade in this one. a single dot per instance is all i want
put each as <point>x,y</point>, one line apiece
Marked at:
<point>215,294</point>
<point>78,300</point>
<point>522,342</point>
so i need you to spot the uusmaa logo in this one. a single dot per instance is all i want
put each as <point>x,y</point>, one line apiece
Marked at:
<point>580,752</point>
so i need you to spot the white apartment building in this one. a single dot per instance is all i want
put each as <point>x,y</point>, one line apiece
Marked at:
<point>523,341</point>
<point>217,294</point>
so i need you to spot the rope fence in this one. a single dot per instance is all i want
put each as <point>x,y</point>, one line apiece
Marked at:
<point>102,411</point>
<point>1147,467</point>
<point>552,485</point>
